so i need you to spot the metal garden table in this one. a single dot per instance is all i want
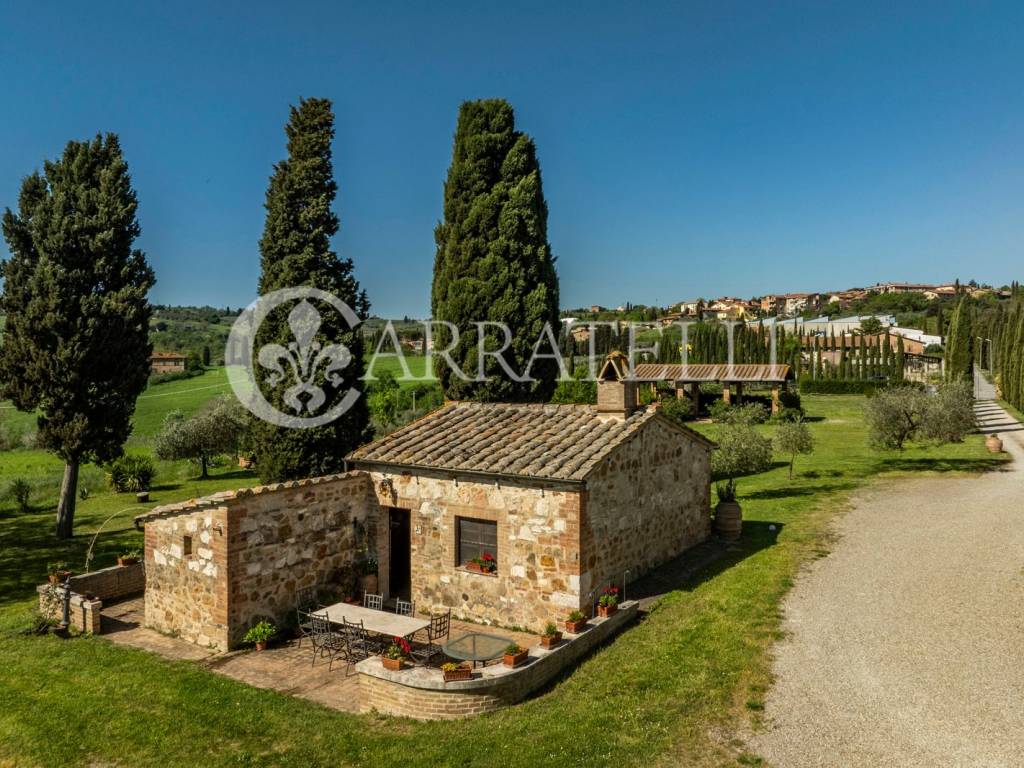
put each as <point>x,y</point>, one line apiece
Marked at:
<point>476,647</point>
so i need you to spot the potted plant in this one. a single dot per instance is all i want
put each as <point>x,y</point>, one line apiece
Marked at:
<point>728,513</point>
<point>576,623</point>
<point>131,557</point>
<point>58,573</point>
<point>260,634</point>
<point>453,671</point>
<point>396,654</point>
<point>514,655</point>
<point>367,568</point>
<point>483,564</point>
<point>608,602</point>
<point>551,636</point>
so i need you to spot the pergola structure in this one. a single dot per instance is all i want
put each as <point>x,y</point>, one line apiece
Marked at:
<point>732,377</point>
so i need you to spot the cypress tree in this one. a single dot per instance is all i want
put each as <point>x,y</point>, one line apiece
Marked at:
<point>900,358</point>
<point>75,348</point>
<point>296,251</point>
<point>959,342</point>
<point>493,261</point>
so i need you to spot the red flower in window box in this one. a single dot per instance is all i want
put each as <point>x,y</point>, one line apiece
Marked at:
<point>486,563</point>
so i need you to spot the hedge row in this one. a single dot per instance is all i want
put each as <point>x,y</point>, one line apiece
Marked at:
<point>809,386</point>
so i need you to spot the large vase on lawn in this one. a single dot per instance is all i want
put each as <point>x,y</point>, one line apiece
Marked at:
<point>728,520</point>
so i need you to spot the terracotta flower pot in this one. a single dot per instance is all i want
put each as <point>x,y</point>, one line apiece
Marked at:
<point>575,627</point>
<point>550,641</point>
<point>462,673</point>
<point>994,443</point>
<point>515,659</point>
<point>122,561</point>
<point>369,583</point>
<point>604,611</point>
<point>395,665</point>
<point>59,578</point>
<point>261,645</point>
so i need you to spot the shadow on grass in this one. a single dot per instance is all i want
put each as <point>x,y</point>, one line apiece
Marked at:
<point>703,562</point>
<point>907,464</point>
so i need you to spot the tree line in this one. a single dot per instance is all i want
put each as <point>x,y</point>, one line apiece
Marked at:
<point>76,346</point>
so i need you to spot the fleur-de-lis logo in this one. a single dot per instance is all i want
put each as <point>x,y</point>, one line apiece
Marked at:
<point>304,358</point>
<point>305,364</point>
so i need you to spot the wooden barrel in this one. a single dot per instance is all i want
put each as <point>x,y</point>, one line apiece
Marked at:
<point>728,520</point>
<point>993,443</point>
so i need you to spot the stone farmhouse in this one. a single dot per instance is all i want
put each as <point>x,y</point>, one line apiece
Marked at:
<point>564,498</point>
<point>167,362</point>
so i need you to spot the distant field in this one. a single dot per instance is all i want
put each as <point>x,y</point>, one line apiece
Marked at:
<point>417,366</point>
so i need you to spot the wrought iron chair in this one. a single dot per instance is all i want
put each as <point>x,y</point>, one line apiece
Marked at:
<point>326,642</point>
<point>306,602</point>
<point>358,643</point>
<point>405,608</point>
<point>373,601</point>
<point>437,631</point>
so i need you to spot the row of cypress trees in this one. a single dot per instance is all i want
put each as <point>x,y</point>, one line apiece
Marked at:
<point>1002,332</point>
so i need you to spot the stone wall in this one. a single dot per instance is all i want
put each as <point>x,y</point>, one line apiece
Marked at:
<point>186,592</point>
<point>298,536</point>
<point>422,693</point>
<point>251,550</point>
<point>646,503</point>
<point>538,546</point>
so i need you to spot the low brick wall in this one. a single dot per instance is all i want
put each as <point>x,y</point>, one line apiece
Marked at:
<point>111,583</point>
<point>106,584</point>
<point>84,614</point>
<point>423,694</point>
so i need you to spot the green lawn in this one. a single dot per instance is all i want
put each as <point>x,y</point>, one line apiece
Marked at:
<point>417,367</point>
<point>673,690</point>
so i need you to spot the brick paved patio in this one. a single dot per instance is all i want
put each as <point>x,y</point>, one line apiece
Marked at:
<point>285,668</point>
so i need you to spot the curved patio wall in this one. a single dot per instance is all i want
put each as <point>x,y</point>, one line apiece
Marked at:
<point>423,694</point>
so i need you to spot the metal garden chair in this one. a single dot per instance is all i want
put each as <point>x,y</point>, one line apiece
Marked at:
<point>405,608</point>
<point>436,632</point>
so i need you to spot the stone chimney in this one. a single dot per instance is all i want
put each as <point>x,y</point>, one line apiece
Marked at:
<point>616,390</point>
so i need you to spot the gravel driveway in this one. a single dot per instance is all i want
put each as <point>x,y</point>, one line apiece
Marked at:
<point>906,643</point>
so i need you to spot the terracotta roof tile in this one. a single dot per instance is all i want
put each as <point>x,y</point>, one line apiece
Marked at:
<point>557,442</point>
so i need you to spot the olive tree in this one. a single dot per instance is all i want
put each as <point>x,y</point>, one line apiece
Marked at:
<point>219,429</point>
<point>949,416</point>
<point>894,416</point>
<point>791,438</point>
<point>742,450</point>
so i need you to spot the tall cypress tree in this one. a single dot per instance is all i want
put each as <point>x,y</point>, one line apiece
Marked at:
<point>959,342</point>
<point>493,262</point>
<point>75,348</point>
<point>296,251</point>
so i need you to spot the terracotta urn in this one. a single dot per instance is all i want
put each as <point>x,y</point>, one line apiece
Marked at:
<point>994,443</point>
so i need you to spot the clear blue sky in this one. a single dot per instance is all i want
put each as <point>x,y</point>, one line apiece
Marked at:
<point>713,148</point>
